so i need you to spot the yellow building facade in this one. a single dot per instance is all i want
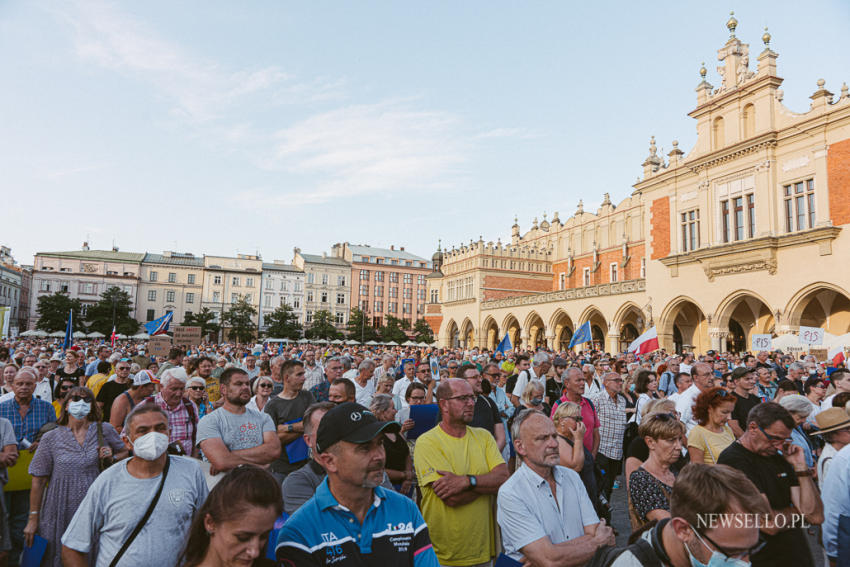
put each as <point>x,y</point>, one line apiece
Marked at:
<point>745,234</point>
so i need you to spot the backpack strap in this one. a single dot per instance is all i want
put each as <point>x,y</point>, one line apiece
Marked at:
<point>190,408</point>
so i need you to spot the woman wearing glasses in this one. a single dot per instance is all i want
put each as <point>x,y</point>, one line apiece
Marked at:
<point>574,455</point>
<point>196,391</point>
<point>651,484</point>
<point>712,435</point>
<point>67,461</point>
<point>262,391</point>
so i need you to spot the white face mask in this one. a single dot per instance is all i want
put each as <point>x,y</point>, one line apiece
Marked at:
<point>150,446</point>
<point>80,409</point>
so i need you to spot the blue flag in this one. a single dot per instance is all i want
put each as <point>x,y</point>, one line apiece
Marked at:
<point>582,335</point>
<point>505,345</point>
<point>159,326</point>
<point>69,332</point>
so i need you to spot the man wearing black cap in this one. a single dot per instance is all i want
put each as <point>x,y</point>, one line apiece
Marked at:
<point>352,520</point>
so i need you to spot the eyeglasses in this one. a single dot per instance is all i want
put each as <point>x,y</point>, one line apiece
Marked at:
<point>493,374</point>
<point>65,388</point>
<point>732,554</point>
<point>77,398</point>
<point>417,398</point>
<point>197,388</point>
<point>663,417</point>
<point>122,368</point>
<point>466,398</point>
<point>773,438</point>
<point>264,386</point>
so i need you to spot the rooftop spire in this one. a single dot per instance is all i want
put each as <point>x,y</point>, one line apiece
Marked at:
<point>731,25</point>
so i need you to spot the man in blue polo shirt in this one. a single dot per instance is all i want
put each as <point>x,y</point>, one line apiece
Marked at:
<point>352,520</point>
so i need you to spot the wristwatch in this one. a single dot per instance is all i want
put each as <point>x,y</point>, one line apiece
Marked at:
<point>473,482</point>
<point>289,428</point>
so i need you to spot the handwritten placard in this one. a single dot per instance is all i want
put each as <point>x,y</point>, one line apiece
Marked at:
<point>187,336</point>
<point>762,342</point>
<point>812,336</point>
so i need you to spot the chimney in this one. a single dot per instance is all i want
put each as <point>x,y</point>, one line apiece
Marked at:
<point>114,248</point>
<point>392,246</point>
<point>86,246</point>
<point>401,248</point>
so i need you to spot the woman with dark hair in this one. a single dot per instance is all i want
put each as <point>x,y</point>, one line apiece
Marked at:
<point>646,387</point>
<point>712,435</point>
<point>71,368</point>
<point>67,461</point>
<point>233,526</point>
<point>63,386</point>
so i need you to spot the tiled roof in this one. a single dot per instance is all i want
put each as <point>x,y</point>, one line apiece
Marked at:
<point>103,255</point>
<point>360,250</point>
<point>173,260</point>
<point>274,267</point>
<point>316,259</point>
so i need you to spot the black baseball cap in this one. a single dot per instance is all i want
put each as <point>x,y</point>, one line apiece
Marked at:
<point>353,423</point>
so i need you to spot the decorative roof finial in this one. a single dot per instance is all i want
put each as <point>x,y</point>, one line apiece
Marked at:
<point>439,244</point>
<point>703,71</point>
<point>766,38</point>
<point>580,208</point>
<point>731,24</point>
<point>844,90</point>
<point>516,220</point>
<point>606,199</point>
<point>653,150</point>
<point>821,83</point>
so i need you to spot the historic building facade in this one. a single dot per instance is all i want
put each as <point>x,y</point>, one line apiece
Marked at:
<point>745,234</point>
<point>385,281</point>
<point>327,286</point>
<point>227,279</point>
<point>283,284</point>
<point>83,274</point>
<point>170,282</point>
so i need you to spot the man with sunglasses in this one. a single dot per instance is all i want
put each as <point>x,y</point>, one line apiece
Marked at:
<point>766,456</point>
<point>44,385</point>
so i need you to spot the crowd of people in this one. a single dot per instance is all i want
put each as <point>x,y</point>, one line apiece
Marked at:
<point>228,454</point>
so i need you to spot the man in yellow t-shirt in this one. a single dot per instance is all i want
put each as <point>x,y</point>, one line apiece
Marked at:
<point>96,382</point>
<point>460,469</point>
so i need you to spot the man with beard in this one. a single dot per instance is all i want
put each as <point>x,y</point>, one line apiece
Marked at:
<point>459,468</point>
<point>352,520</point>
<point>543,509</point>
<point>234,435</point>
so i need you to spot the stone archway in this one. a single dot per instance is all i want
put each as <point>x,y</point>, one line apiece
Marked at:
<point>535,330</point>
<point>628,324</point>
<point>598,327</point>
<point>490,334</point>
<point>683,326</point>
<point>821,305</point>
<point>511,326</point>
<point>452,334</point>
<point>562,328</point>
<point>741,315</point>
<point>467,334</point>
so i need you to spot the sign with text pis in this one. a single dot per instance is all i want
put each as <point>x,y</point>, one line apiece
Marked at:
<point>187,336</point>
<point>812,336</point>
<point>762,342</point>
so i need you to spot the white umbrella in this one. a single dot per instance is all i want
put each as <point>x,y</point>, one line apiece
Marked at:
<point>119,336</point>
<point>352,342</point>
<point>29,333</point>
<point>408,343</point>
<point>303,341</point>
<point>391,343</point>
<point>141,336</point>
<point>79,335</point>
<point>39,333</point>
<point>321,342</point>
<point>371,343</point>
<point>422,344</point>
<point>336,342</point>
<point>57,334</point>
<point>96,335</point>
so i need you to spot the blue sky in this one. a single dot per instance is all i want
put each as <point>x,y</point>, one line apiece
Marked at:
<point>222,127</point>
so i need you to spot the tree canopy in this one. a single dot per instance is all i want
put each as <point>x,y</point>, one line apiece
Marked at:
<point>53,312</point>
<point>239,320</point>
<point>113,302</point>
<point>283,323</point>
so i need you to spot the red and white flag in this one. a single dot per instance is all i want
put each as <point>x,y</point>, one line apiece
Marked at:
<point>645,343</point>
<point>836,355</point>
<point>112,337</point>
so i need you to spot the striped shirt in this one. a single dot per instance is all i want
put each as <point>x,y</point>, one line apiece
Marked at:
<point>323,532</point>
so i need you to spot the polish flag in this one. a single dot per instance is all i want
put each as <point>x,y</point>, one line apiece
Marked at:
<point>836,355</point>
<point>112,337</point>
<point>645,343</point>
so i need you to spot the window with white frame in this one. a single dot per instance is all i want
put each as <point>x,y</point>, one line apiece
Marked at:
<point>45,285</point>
<point>267,301</point>
<point>309,317</point>
<point>562,280</point>
<point>152,276</point>
<point>172,277</point>
<point>586,276</point>
<point>269,284</point>
<point>216,296</point>
<point>339,317</point>
<point>169,296</point>
<point>612,272</point>
<point>379,276</point>
<point>235,281</point>
<point>216,280</point>
<point>799,201</point>
<point>340,299</point>
<point>420,280</point>
<point>190,298</point>
<point>408,279</point>
<point>435,296</point>
<point>310,296</point>
<point>364,275</point>
<point>324,279</point>
<point>643,268</point>
<point>736,210</point>
<point>234,297</point>
<point>311,277</point>
<point>340,281</point>
<point>296,302</point>
<point>151,295</point>
<point>190,279</point>
<point>249,282</point>
<point>689,222</point>
<point>379,306</point>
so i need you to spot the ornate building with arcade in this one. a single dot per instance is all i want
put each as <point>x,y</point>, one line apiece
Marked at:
<point>744,234</point>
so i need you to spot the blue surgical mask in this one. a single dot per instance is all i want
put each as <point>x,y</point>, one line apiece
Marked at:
<point>717,559</point>
<point>536,401</point>
<point>632,388</point>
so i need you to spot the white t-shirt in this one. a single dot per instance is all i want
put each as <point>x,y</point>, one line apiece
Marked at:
<point>400,387</point>
<point>824,461</point>
<point>522,381</point>
<point>685,404</point>
<point>363,394</point>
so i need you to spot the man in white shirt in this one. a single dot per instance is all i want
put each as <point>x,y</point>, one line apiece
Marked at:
<point>703,377</point>
<point>43,387</point>
<point>386,367</point>
<point>592,383</point>
<point>363,383</point>
<point>535,374</point>
<point>400,387</point>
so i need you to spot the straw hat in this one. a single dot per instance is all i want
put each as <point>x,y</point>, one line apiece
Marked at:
<point>832,419</point>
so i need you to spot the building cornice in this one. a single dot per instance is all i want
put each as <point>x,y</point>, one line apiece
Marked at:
<point>616,288</point>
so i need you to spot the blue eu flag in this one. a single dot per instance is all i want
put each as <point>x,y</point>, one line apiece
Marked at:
<point>505,345</point>
<point>582,335</point>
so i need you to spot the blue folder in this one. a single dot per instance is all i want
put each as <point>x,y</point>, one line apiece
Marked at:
<point>32,556</point>
<point>424,419</point>
<point>505,561</point>
<point>296,451</point>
